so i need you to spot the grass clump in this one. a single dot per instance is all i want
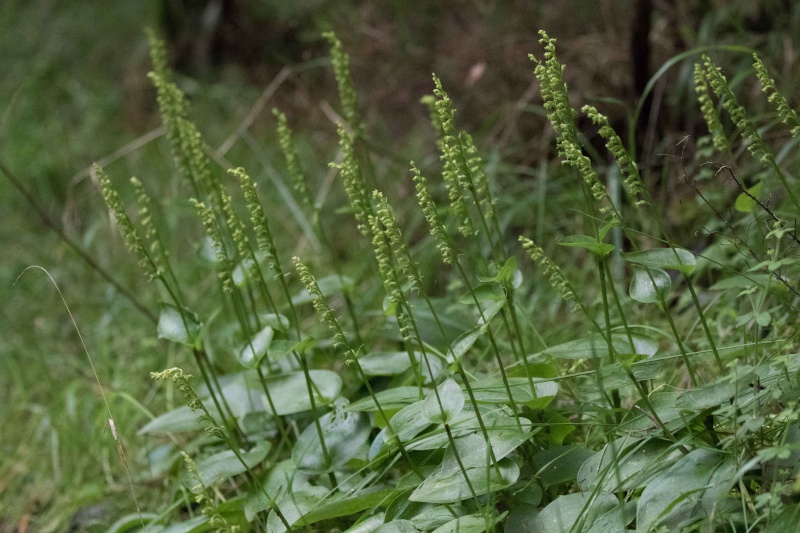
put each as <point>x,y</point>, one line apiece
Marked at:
<point>658,394</point>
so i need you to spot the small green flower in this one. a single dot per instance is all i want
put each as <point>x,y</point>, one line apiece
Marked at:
<point>709,110</point>
<point>437,229</point>
<point>787,115</point>
<point>225,265</point>
<point>553,273</point>
<point>292,161</point>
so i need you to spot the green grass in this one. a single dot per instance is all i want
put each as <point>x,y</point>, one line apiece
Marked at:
<point>653,388</point>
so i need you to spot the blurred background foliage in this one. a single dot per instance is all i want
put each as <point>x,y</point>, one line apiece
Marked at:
<point>74,90</point>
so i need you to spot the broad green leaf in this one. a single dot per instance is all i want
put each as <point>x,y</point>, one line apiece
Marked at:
<point>668,258</point>
<point>241,273</point>
<point>597,347</point>
<point>467,339</point>
<point>178,325</point>
<point>441,406</point>
<point>346,506</point>
<point>449,486</point>
<point>368,525</point>
<point>398,526</point>
<point>289,392</point>
<point>497,417</point>
<point>613,376</point>
<point>565,513</point>
<point>434,516</point>
<point>344,434</point>
<point>177,421</point>
<point>559,464</point>
<point>294,506</point>
<point>389,399</point>
<point>505,273</point>
<point>745,202</point>
<point>281,479</point>
<point>627,464</point>
<point>225,464</point>
<point>688,490</point>
<point>493,391</point>
<point>385,363</point>
<point>469,524</point>
<point>474,453</point>
<point>131,522</point>
<point>252,352</point>
<point>586,242</point>
<point>193,525</point>
<point>650,287</point>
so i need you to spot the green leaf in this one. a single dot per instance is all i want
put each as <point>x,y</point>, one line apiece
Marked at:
<point>505,273</point>
<point>475,523</point>
<point>501,427</point>
<point>289,392</point>
<point>385,363</point>
<point>177,421</point>
<point>596,346</point>
<point>586,242</point>
<point>346,506</point>
<point>564,513</point>
<point>493,391</point>
<point>344,434</point>
<point>627,464</point>
<point>433,516</point>
<point>745,202</point>
<point>252,352</point>
<point>447,483</point>
<point>650,287</point>
<point>467,339</point>
<point>559,464</point>
<point>225,464</point>
<point>396,398</point>
<point>294,505</point>
<point>688,490</point>
<point>397,526</point>
<point>452,402</point>
<point>282,478</point>
<point>178,325</point>
<point>668,258</point>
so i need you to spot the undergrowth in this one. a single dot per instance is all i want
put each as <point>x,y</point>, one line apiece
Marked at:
<point>430,394</point>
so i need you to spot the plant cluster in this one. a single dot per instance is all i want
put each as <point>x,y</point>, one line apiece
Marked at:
<point>663,404</point>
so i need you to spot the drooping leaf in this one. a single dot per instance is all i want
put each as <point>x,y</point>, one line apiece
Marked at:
<point>565,512</point>
<point>225,464</point>
<point>599,249</point>
<point>447,485</point>
<point>650,286</point>
<point>178,325</point>
<point>344,434</point>
<point>253,351</point>
<point>688,490</point>
<point>667,258</point>
<point>444,404</point>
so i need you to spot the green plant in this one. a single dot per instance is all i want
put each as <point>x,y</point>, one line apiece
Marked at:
<point>369,403</point>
